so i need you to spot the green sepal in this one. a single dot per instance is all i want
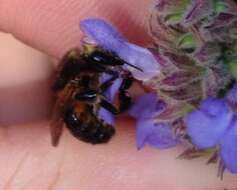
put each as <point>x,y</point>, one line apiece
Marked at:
<point>232,66</point>
<point>173,17</point>
<point>220,6</point>
<point>186,42</point>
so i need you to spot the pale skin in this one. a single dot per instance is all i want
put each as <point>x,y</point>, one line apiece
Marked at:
<point>27,160</point>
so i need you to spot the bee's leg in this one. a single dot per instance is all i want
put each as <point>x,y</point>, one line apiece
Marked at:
<point>88,95</point>
<point>108,106</point>
<point>125,100</point>
<point>127,82</point>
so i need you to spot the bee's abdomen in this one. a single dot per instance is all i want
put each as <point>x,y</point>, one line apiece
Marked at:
<point>92,131</point>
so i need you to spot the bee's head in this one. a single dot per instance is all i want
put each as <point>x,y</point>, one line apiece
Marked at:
<point>107,58</point>
<point>103,57</point>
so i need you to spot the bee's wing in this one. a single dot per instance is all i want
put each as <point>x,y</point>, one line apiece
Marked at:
<point>64,100</point>
<point>67,69</point>
<point>56,124</point>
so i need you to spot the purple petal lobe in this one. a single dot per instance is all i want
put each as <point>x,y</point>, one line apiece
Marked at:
<point>110,39</point>
<point>143,131</point>
<point>148,132</point>
<point>102,33</point>
<point>146,106</point>
<point>228,150</point>
<point>109,95</point>
<point>156,135</point>
<point>207,125</point>
<point>214,106</point>
<point>141,58</point>
<point>106,116</point>
<point>111,92</point>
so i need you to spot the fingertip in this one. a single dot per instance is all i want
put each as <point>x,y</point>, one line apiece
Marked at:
<point>52,26</point>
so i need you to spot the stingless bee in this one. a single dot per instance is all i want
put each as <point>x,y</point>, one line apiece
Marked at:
<point>79,94</point>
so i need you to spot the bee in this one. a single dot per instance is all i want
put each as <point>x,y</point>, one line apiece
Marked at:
<point>79,94</point>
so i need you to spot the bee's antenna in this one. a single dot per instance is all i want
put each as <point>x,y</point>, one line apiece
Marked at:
<point>133,66</point>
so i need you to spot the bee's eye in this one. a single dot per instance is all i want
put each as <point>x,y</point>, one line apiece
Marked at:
<point>105,58</point>
<point>99,57</point>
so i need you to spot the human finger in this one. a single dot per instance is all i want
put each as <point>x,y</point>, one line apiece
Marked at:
<point>53,26</point>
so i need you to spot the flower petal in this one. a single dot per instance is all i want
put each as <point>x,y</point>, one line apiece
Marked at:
<point>110,39</point>
<point>141,58</point>
<point>144,129</point>
<point>162,137</point>
<point>207,125</point>
<point>146,106</point>
<point>156,135</point>
<point>106,116</point>
<point>102,33</point>
<point>109,94</point>
<point>228,150</point>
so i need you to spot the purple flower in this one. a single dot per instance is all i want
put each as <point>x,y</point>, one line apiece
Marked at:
<point>159,135</point>
<point>105,36</point>
<point>214,123</point>
<point>228,151</point>
<point>104,114</point>
<point>207,125</point>
<point>147,106</point>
